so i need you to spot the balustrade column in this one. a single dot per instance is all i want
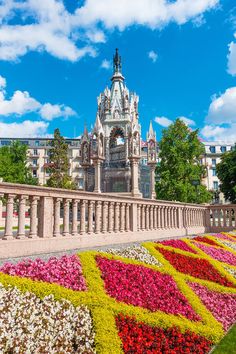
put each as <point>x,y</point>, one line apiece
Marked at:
<point>213,217</point>
<point>147,217</point>
<point>174,217</point>
<point>155,217</point>
<point>165,216</point>
<point>90,216</point>
<point>74,230</point>
<point>151,217</point>
<point>82,216</point>
<point>122,217</point>
<point>230,218</point>
<point>8,235</point>
<point>111,217</point>
<point>66,217</point>
<point>104,217</point>
<point>224,218</point>
<point>21,217</point>
<point>57,210</point>
<point>158,217</point>
<point>33,216</point>
<point>117,217</point>
<point>98,217</point>
<point>143,217</point>
<point>127,217</point>
<point>138,217</point>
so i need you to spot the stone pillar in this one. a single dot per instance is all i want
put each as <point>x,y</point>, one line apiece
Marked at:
<point>111,217</point>
<point>127,217</point>
<point>33,216</point>
<point>98,217</point>
<point>117,217</point>
<point>122,217</point>
<point>45,221</point>
<point>154,217</point>
<point>152,180</point>
<point>134,217</point>
<point>57,209</point>
<point>82,216</point>
<point>74,230</point>
<point>224,218</point>
<point>21,217</point>
<point>9,217</point>
<point>147,218</point>
<point>97,166</point>
<point>134,172</point>
<point>104,217</point>
<point>143,218</point>
<point>158,217</point>
<point>66,217</point>
<point>151,217</point>
<point>138,217</point>
<point>90,216</point>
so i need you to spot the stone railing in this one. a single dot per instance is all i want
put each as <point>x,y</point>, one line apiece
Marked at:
<point>62,219</point>
<point>222,217</point>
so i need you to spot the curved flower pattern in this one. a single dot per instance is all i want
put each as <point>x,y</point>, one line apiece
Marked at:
<point>31,325</point>
<point>139,338</point>
<point>218,254</point>
<point>144,287</point>
<point>206,240</point>
<point>65,271</point>
<point>222,305</point>
<point>138,253</point>
<point>178,244</point>
<point>197,267</point>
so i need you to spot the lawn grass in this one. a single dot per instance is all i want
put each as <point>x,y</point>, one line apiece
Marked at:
<point>228,344</point>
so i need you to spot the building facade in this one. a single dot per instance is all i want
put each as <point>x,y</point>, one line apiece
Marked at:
<point>112,157</point>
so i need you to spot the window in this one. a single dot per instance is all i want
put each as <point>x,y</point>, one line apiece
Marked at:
<point>213,161</point>
<point>223,148</point>
<point>215,185</point>
<point>35,152</point>
<point>34,173</point>
<point>35,161</point>
<point>36,143</point>
<point>212,149</point>
<point>214,172</point>
<point>5,142</point>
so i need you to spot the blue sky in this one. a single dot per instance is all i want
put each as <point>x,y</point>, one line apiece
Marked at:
<point>178,56</point>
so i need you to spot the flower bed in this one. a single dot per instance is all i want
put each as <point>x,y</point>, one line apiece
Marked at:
<point>222,306</point>
<point>139,338</point>
<point>139,299</point>
<point>206,240</point>
<point>197,267</point>
<point>218,254</point>
<point>178,244</point>
<point>65,271</point>
<point>144,287</point>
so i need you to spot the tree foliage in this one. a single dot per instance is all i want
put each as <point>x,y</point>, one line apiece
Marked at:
<point>13,164</point>
<point>226,171</point>
<point>59,163</point>
<point>180,167</point>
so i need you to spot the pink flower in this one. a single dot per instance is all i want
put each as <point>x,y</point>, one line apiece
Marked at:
<point>218,254</point>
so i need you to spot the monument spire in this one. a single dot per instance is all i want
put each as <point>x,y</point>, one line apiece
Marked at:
<point>117,62</point>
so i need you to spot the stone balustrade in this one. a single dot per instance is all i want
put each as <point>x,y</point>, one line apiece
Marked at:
<point>63,219</point>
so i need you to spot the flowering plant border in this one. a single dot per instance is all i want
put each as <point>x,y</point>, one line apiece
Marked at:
<point>104,309</point>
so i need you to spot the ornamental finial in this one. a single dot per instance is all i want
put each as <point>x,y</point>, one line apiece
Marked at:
<point>117,62</point>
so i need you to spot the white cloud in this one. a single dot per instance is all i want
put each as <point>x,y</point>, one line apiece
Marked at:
<point>46,25</point>
<point>153,56</point>
<point>2,82</point>
<point>219,133</point>
<point>22,103</point>
<point>187,121</point>
<point>223,108</point>
<point>106,64</point>
<point>26,129</point>
<point>163,121</point>
<point>232,58</point>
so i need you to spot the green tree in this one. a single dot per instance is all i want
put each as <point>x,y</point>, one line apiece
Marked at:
<point>226,171</point>
<point>13,164</point>
<point>180,172</point>
<point>59,163</point>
